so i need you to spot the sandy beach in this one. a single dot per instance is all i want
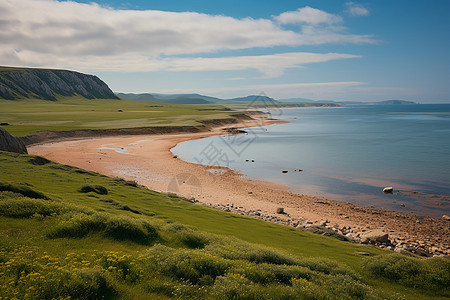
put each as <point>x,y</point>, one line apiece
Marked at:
<point>147,160</point>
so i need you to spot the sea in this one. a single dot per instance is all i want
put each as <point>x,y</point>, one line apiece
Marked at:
<point>347,154</point>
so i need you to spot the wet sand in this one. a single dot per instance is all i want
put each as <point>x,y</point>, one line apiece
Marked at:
<point>147,160</point>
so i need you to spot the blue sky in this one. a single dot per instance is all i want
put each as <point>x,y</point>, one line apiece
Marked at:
<point>332,50</point>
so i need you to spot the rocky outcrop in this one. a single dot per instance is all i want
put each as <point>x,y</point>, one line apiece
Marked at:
<point>10,143</point>
<point>17,83</point>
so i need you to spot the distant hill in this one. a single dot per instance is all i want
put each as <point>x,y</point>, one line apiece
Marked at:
<point>303,100</point>
<point>392,102</point>
<point>346,103</point>
<point>253,98</point>
<point>48,84</point>
<point>239,102</point>
<point>168,98</point>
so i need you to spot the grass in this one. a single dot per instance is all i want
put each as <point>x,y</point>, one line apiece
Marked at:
<point>28,116</point>
<point>87,246</point>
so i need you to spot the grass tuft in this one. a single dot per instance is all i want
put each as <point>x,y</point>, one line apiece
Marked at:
<point>98,189</point>
<point>21,188</point>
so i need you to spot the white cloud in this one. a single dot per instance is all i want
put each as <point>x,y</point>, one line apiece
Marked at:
<point>307,15</point>
<point>89,37</point>
<point>356,10</point>
<point>271,65</point>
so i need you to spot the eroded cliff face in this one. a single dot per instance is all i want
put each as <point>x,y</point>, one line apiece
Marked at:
<point>11,143</point>
<point>16,83</point>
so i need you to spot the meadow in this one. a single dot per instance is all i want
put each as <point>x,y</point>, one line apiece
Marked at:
<point>68,113</point>
<point>70,233</point>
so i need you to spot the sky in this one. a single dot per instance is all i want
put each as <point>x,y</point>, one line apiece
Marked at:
<point>320,50</point>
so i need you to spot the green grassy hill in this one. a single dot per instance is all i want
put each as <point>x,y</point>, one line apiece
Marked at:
<point>69,113</point>
<point>67,232</point>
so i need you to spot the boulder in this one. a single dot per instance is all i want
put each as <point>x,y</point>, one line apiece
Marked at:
<point>388,190</point>
<point>445,217</point>
<point>375,237</point>
<point>11,143</point>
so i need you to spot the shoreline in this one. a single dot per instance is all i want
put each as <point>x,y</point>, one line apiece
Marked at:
<point>147,159</point>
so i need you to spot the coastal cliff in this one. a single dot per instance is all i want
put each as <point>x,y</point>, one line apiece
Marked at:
<point>47,84</point>
<point>10,143</point>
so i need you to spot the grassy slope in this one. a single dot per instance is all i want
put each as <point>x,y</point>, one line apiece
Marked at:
<point>27,116</point>
<point>61,185</point>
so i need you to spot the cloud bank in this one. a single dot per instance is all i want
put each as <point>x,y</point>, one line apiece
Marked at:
<point>91,37</point>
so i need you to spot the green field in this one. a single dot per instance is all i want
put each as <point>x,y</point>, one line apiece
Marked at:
<point>66,232</point>
<point>28,116</point>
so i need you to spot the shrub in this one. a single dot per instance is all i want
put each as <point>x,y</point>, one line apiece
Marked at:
<point>21,188</point>
<point>432,274</point>
<point>187,237</point>
<point>131,183</point>
<point>38,161</point>
<point>235,249</point>
<point>234,286</point>
<point>98,189</point>
<point>26,208</point>
<point>28,274</point>
<point>88,284</point>
<point>120,181</point>
<point>176,227</point>
<point>80,225</point>
<point>192,239</point>
<point>268,273</point>
<point>193,266</point>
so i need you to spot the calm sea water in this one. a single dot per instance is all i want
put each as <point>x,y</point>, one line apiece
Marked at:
<point>346,154</point>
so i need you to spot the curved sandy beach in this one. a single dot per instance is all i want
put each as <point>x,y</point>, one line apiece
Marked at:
<point>147,159</point>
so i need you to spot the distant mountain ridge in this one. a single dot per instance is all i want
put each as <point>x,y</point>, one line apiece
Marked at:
<point>202,99</point>
<point>189,98</point>
<point>392,102</point>
<point>48,84</point>
<point>167,98</point>
<point>345,103</point>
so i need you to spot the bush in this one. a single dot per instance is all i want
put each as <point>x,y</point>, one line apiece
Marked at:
<point>186,236</point>
<point>21,188</point>
<point>131,183</point>
<point>29,274</point>
<point>191,266</point>
<point>21,207</point>
<point>268,273</point>
<point>80,225</point>
<point>98,189</point>
<point>38,161</point>
<point>192,239</point>
<point>431,274</point>
<point>234,286</point>
<point>235,249</point>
